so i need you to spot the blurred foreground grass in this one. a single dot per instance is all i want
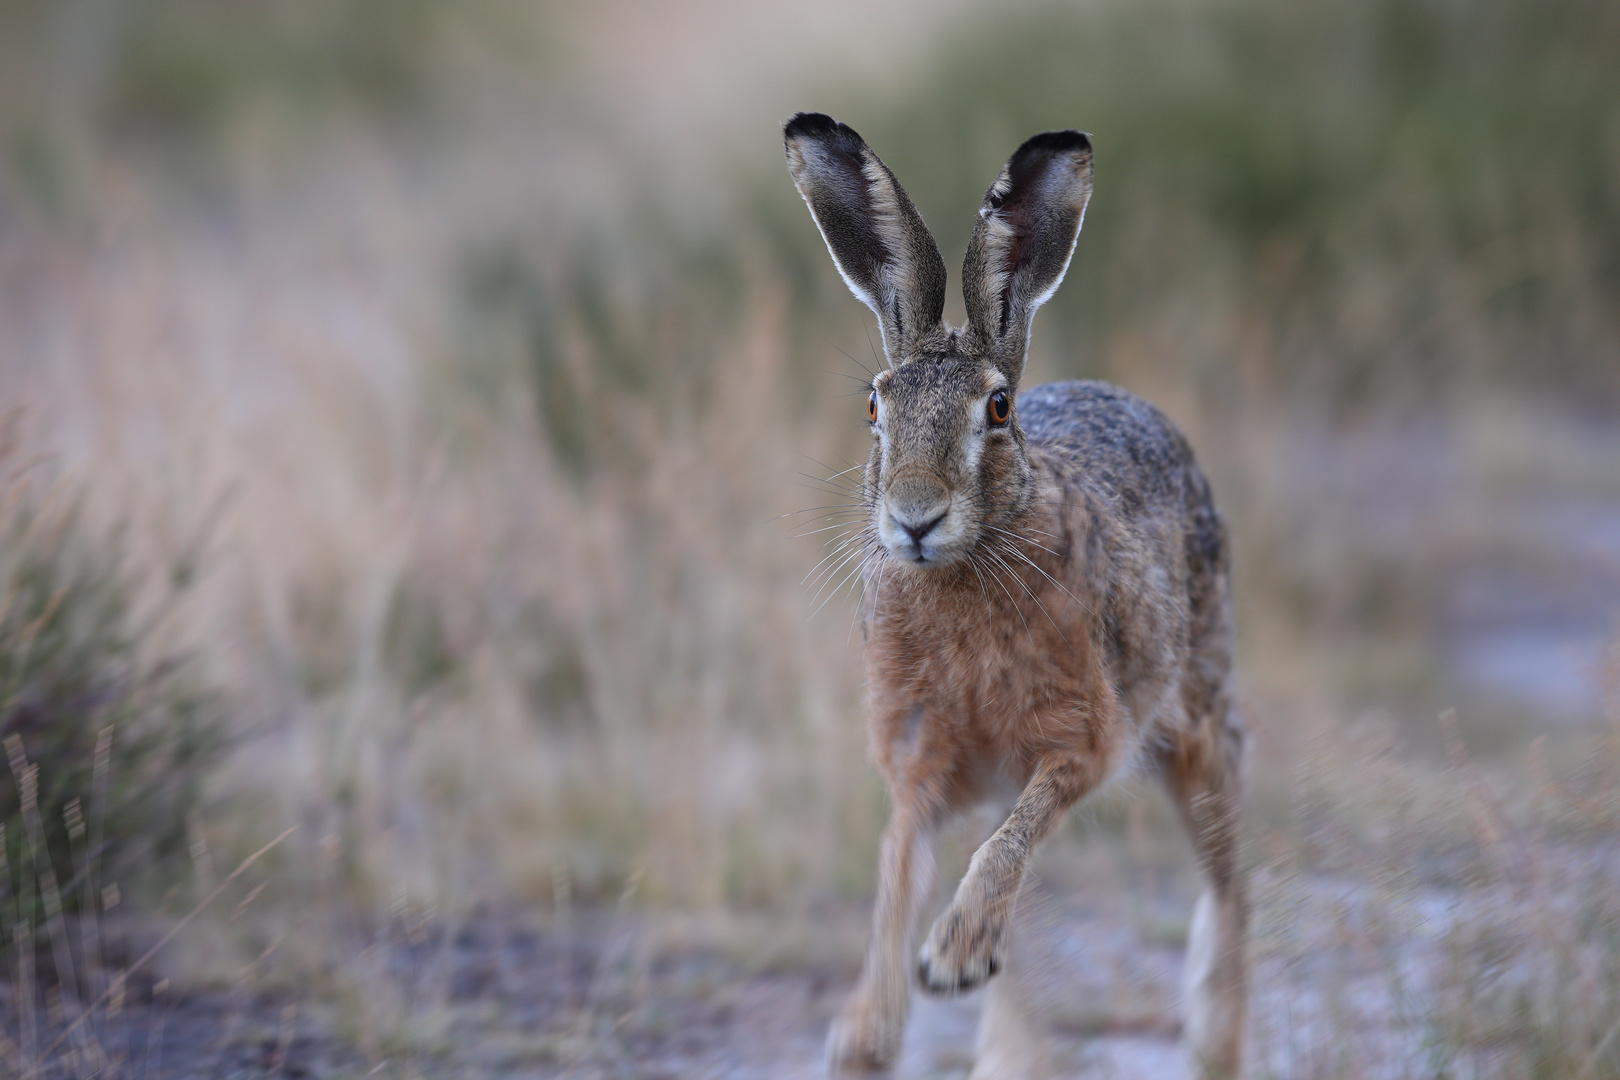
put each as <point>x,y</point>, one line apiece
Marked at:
<point>503,405</point>
<point>79,663</point>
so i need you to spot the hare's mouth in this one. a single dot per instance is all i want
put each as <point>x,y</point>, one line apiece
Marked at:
<point>924,537</point>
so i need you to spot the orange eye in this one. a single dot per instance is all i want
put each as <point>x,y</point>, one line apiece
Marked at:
<point>1000,408</point>
<point>871,407</point>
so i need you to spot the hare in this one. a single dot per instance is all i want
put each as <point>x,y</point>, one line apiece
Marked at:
<point>1045,593</point>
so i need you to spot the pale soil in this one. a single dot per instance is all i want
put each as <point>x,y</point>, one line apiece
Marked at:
<point>1353,977</point>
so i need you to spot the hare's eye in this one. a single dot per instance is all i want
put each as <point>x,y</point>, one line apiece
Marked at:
<point>871,407</point>
<point>1000,408</point>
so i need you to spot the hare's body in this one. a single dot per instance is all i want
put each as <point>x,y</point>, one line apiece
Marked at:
<point>1046,596</point>
<point>1083,627</point>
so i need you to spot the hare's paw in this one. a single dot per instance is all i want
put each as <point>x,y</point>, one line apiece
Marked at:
<point>862,1042</point>
<point>963,950</point>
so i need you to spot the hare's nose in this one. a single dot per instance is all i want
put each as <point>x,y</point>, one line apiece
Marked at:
<point>917,503</point>
<point>918,529</point>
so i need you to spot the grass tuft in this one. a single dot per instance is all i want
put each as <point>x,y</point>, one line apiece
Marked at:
<point>109,740</point>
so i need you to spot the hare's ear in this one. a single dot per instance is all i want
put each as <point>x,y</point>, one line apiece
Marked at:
<point>877,239</point>
<point>1022,243</point>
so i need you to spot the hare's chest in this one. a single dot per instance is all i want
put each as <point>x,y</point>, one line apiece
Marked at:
<point>997,687</point>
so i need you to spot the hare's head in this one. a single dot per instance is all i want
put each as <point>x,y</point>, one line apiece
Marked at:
<point>948,459</point>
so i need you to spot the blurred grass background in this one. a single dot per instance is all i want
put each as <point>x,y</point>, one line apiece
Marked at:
<point>492,357</point>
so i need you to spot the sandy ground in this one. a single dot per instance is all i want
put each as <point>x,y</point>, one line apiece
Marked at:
<point>1354,975</point>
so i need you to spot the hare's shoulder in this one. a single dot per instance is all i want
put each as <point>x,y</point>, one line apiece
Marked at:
<point>1113,438</point>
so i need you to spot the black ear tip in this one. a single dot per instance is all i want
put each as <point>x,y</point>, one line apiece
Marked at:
<point>814,125</point>
<point>1067,141</point>
<point>808,123</point>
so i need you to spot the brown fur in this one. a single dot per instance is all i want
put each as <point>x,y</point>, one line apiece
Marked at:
<point>1046,605</point>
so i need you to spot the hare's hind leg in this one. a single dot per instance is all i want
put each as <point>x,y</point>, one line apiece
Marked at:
<point>1200,768</point>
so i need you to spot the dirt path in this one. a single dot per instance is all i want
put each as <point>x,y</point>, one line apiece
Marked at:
<point>1373,975</point>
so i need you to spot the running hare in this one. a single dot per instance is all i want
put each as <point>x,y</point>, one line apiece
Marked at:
<point>1046,602</point>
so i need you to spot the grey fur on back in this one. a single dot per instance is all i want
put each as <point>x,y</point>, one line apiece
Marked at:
<point>1120,441</point>
<point>1133,456</point>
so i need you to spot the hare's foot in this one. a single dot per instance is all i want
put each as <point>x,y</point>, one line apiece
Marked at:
<point>865,1038</point>
<point>1215,984</point>
<point>965,947</point>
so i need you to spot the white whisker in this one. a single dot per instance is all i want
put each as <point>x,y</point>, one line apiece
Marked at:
<point>1017,610</point>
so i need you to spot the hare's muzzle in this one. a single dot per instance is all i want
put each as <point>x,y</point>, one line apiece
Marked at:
<point>915,521</point>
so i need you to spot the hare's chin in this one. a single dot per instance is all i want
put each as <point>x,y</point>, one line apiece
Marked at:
<point>927,556</point>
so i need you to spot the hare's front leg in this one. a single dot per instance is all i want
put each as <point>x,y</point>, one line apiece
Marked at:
<point>968,941</point>
<point>866,1036</point>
